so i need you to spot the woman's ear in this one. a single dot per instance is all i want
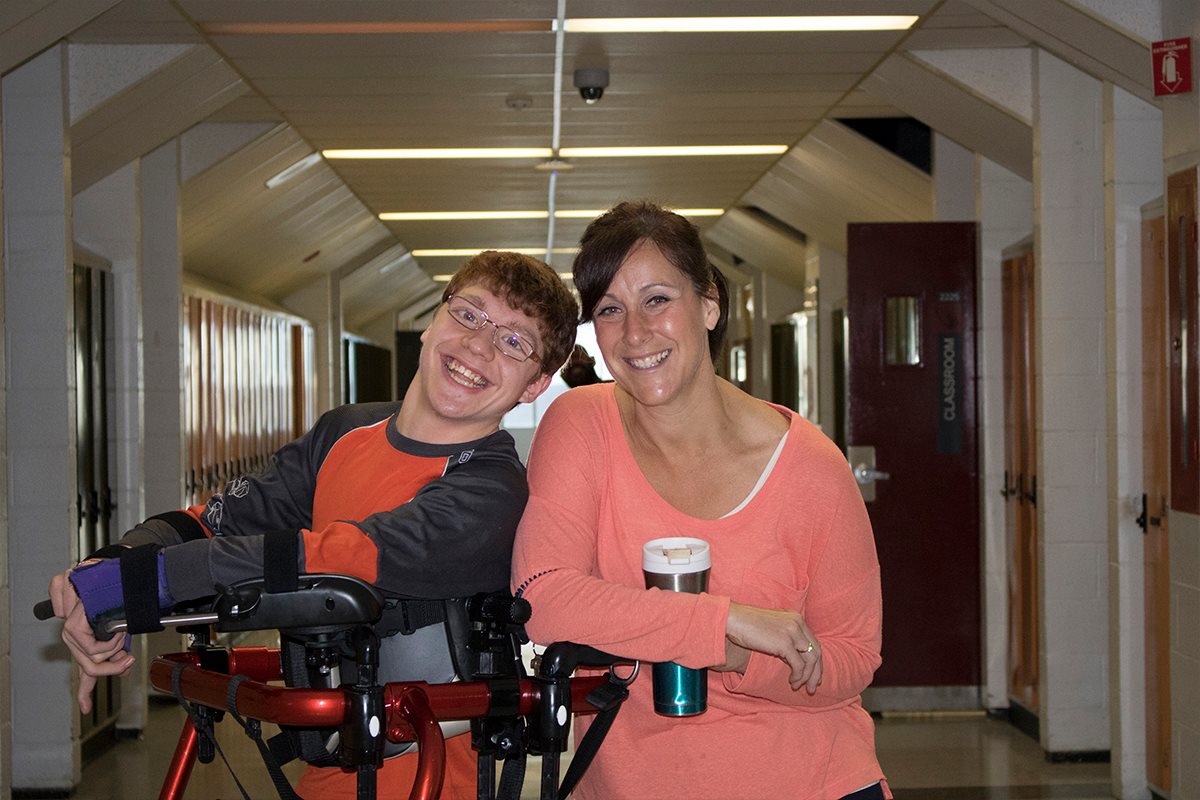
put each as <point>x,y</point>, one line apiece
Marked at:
<point>712,307</point>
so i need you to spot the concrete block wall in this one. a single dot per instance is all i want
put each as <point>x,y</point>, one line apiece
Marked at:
<point>1133,177</point>
<point>1071,414</point>
<point>40,412</point>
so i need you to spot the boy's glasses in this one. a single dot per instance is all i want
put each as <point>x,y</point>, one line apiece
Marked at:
<point>506,340</point>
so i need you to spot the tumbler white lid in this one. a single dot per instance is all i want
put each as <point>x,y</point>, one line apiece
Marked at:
<point>676,555</point>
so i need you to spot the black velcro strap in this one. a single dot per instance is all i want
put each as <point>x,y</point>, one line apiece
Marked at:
<point>281,561</point>
<point>608,698</point>
<point>408,616</point>
<point>184,524</point>
<point>139,588</point>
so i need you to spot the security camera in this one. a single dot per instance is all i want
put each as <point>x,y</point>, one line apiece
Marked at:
<point>591,82</point>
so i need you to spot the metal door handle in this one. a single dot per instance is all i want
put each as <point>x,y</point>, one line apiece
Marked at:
<point>864,474</point>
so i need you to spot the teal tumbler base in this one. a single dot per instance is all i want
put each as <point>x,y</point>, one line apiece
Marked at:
<point>679,691</point>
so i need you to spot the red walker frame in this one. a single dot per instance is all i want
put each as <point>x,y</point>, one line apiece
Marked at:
<point>413,709</point>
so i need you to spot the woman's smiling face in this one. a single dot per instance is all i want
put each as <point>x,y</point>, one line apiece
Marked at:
<point>652,327</point>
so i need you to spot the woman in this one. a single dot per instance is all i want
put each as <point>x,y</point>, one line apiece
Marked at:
<point>790,628</point>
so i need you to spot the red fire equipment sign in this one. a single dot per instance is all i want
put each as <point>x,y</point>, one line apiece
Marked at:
<point>1172,66</point>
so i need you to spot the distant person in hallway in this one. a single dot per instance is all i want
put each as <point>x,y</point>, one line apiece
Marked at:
<point>790,627</point>
<point>580,369</point>
<point>420,497</point>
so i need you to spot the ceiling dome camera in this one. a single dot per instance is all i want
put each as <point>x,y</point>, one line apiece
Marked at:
<point>591,83</point>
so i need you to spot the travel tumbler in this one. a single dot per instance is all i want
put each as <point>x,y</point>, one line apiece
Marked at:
<point>678,564</point>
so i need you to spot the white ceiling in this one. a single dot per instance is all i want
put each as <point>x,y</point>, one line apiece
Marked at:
<point>330,89</point>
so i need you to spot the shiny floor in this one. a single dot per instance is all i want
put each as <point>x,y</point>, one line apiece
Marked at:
<point>960,757</point>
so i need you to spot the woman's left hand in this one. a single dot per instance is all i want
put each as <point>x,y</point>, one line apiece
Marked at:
<point>779,633</point>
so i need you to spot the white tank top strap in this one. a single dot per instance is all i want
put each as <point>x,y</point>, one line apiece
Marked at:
<point>762,478</point>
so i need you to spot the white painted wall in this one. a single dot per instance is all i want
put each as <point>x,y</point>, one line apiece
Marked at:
<point>40,413</point>
<point>1071,415</point>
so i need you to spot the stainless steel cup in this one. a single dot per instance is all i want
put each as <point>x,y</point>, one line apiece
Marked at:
<point>678,564</point>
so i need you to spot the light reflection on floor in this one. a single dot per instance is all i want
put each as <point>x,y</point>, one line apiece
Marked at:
<point>957,758</point>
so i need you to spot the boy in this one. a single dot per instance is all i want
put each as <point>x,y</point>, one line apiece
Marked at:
<point>420,498</point>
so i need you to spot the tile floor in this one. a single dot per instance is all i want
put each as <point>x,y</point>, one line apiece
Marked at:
<point>926,758</point>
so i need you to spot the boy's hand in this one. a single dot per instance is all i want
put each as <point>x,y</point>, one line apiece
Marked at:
<point>95,658</point>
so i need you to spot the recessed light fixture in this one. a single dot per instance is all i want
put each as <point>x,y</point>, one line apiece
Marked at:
<point>851,22</point>
<point>578,213</point>
<point>441,152</point>
<point>294,170</point>
<point>466,252</point>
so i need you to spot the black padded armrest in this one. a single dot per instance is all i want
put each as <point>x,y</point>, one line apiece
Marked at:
<point>322,604</point>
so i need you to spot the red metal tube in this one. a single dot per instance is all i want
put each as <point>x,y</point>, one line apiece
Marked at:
<point>322,708</point>
<point>182,762</point>
<point>413,706</point>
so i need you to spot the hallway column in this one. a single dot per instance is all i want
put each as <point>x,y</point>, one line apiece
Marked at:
<point>953,181</point>
<point>1133,177</point>
<point>106,220</point>
<point>40,413</point>
<point>1070,419</point>
<point>321,302</point>
<point>830,268</point>
<point>1004,208</point>
<point>1181,150</point>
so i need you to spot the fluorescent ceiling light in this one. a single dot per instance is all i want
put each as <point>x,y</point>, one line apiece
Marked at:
<point>579,213</point>
<point>445,277</point>
<point>566,152</point>
<point>294,170</point>
<point>682,150</point>
<point>466,252</point>
<point>443,152</point>
<point>853,22</point>
<point>410,216</point>
<point>388,26</point>
<point>591,213</point>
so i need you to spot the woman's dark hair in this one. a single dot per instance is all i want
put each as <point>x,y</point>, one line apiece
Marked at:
<point>611,237</point>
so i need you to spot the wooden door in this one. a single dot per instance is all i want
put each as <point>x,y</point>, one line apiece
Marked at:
<point>1153,519</point>
<point>912,397</point>
<point>1182,328</point>
<point>1020,474</point>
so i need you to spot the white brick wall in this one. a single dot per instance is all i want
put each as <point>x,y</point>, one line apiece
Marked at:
<point>1071,417</point>
<point>40,412</point>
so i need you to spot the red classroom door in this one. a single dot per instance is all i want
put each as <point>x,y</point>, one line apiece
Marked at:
<point>912,418</point>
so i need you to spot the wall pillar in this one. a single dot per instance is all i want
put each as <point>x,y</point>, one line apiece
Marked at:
<point>1071,415</point>
<point>1133,177</point>
<point>107,222</point>
<point>953,181</point>
<point>40,413</point>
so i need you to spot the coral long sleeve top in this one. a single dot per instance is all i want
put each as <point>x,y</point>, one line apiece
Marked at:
<point>803,542</point>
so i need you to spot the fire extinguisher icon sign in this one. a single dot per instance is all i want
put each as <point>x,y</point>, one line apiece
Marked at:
<point>1170,70</point>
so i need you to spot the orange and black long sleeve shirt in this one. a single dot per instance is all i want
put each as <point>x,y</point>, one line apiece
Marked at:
<point>415,519</point>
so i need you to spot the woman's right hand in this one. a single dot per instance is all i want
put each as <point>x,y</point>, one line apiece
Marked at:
<point>779,633</point>
<point>95,658</point>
